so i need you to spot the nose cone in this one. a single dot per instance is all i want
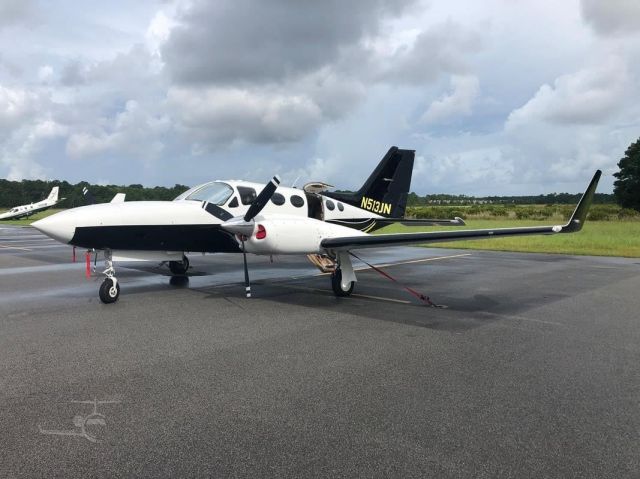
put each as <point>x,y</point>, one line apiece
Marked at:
<point>60,226</point>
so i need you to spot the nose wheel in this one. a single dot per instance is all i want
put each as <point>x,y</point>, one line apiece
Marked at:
<point>109,291</point>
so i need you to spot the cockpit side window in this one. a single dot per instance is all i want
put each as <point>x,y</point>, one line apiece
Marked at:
<point>277,199</point>
<point>216,193</point>
<point>247,195</point>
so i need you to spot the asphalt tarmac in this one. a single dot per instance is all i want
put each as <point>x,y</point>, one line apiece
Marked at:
<point>532,368</point>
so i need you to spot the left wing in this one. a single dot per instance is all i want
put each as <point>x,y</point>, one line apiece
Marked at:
<point>576,222</point>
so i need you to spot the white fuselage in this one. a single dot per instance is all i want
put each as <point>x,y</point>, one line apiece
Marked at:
<point>191,223</point>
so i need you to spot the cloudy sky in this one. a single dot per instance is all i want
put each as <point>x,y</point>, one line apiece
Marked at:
<point>496,97</point>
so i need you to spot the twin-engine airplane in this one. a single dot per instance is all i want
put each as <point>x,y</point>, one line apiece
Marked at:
<point>230,216</point>
<point>32,208</point>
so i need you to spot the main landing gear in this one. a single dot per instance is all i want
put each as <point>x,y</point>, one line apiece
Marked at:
<point>343,278</point>
<point>109,289</point>
<point>179,267</point>
<point>337,286</point>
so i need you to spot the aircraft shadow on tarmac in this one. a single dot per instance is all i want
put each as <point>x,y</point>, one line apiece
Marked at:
<point>476,311</point>
<point>370,301</point>
<point>465,308</point>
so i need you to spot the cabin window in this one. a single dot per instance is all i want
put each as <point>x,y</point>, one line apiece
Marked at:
<point>277,199</point>
<point>215,193</point>
<point>247,195</point>
<point>330,205</point>
<point>340,206</point>
<point>233,203</point>
<point>297,201</point>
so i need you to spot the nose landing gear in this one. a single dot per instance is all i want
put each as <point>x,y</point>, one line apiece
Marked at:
<point>109,289</point>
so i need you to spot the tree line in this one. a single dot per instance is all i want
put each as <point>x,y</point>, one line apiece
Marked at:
<point>549,199</point>
<point>14,193</point>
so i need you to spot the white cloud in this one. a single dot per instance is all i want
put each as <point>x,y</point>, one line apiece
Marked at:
<point>45,74</point>
<point>159,30</point>
<point>18,151</point>
<point>133,130</point>
<point>441,48</point>
<point>587,96</point>
<point>458,102</point>
<point>229,114</point>
<point>18,105</point>
<point>26,125</point>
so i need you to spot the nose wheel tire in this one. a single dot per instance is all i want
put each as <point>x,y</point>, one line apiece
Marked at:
<point>336,284</point>
<point>109,292</point>
<point>179,267</point>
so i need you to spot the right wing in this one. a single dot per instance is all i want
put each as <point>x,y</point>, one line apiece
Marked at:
<point>346,243</point>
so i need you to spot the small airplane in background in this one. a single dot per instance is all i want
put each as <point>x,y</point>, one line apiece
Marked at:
<point>243,217</point>
<point>27,210</point>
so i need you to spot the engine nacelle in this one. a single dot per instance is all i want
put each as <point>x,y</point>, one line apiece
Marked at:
<point>293,235</point>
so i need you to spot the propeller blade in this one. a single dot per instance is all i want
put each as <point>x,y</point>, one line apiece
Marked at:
<point>216,211</point>
<point>244,225</point>
<point>247,285</point>
<point>262,199</point>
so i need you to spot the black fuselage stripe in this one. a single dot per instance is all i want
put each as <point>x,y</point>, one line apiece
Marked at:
<point>197,238</point>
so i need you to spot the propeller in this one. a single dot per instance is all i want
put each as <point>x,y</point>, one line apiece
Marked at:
<point>243,226</point>
<point>262,199</point>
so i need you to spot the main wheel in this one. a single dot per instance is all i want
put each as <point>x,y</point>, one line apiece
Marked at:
<point>108,292</point>
<point>179,267</point>
<point>336,284</point>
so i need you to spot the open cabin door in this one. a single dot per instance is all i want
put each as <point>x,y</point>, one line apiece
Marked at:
<point>314,205</point>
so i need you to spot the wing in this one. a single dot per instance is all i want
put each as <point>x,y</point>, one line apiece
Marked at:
<point>578,218</point>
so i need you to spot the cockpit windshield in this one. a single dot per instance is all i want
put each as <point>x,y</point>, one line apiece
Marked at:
<point>216,193</point>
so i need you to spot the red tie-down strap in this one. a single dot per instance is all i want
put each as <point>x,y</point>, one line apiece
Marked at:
<point>425,299</point>
<point>87,258</point>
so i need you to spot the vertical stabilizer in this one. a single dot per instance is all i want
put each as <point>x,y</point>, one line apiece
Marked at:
<point>53,196</point>
<point>385,191</point>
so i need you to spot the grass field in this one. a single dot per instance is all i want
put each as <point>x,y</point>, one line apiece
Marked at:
<point>598,238</point>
